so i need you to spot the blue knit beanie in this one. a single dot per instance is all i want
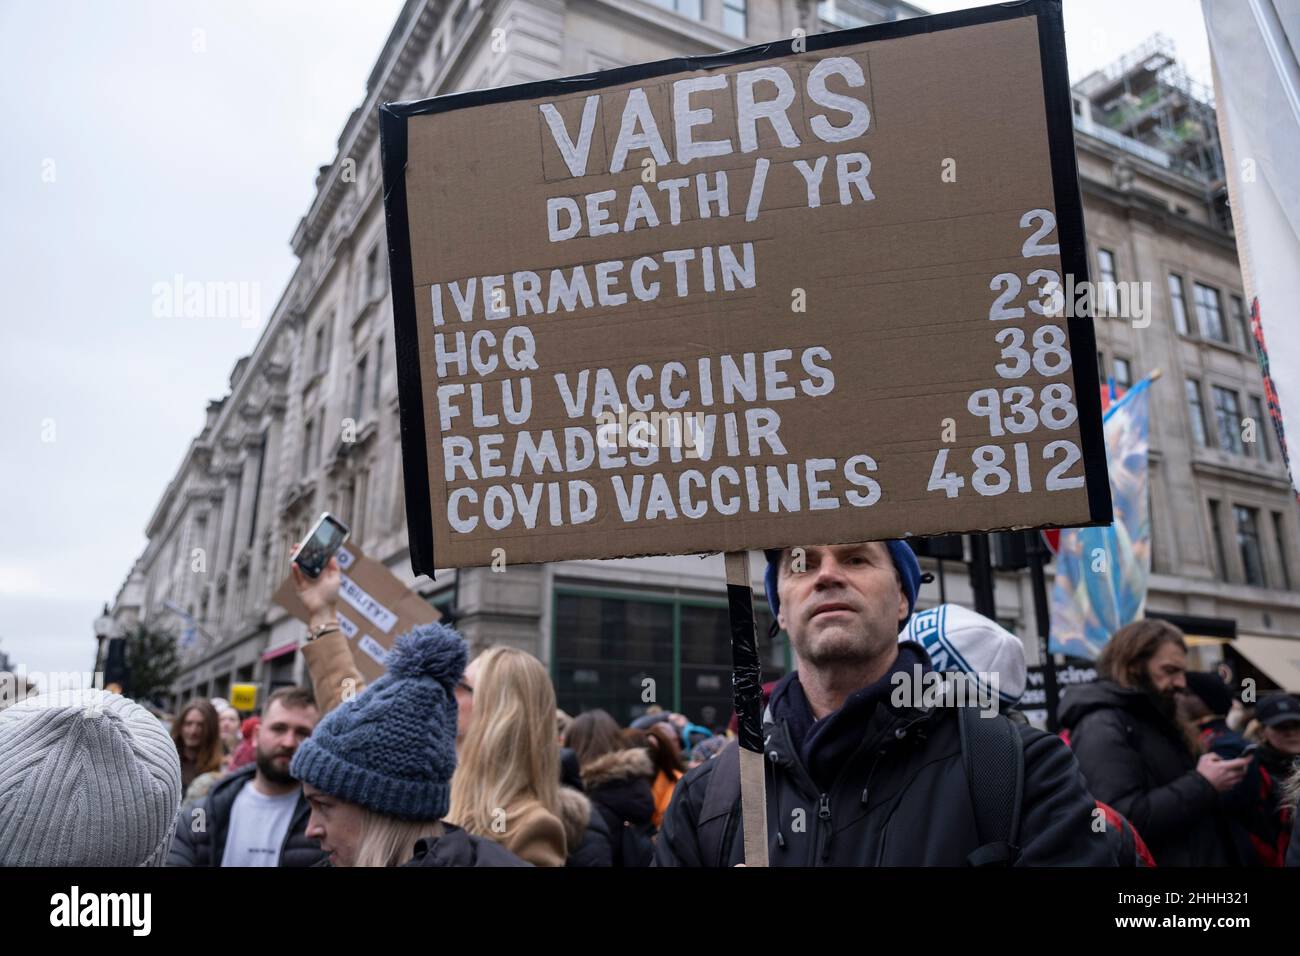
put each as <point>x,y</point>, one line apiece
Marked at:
<point>392,749</point>
<point>909,575</point>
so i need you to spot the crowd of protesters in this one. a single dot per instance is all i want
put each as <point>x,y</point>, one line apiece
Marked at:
<point>448,761</point>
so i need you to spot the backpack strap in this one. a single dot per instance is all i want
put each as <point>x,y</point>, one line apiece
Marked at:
<point>994,759</point>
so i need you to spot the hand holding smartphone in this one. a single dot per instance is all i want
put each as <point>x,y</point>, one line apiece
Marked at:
<point>324,540</point>
<point>315,571</point>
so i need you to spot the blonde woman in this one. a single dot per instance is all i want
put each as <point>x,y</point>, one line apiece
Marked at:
<point>507,784</point>
<point>377,770</point>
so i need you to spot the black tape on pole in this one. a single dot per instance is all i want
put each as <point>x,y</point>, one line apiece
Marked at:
<point>746,668</point>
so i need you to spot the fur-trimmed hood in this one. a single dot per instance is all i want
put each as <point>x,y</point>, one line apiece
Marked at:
<point>575,813</point>
<point>616,767</point>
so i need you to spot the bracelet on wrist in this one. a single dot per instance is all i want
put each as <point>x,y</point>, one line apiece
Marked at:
<point>321,630</point>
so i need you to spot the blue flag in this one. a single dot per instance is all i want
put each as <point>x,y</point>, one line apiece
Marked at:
<point>1101,573</point>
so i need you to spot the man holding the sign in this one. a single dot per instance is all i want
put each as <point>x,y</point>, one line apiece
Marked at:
<point>847,768</point>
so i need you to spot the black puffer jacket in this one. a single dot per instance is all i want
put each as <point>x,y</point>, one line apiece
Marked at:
<point>900,796</point>
<point>195,845</point>
<point>1293,851</point>
<point>1138,761</point>
<point>1259,817</point>
<point>585,831</point>
<point>457,848</point>
<point>618,786</point>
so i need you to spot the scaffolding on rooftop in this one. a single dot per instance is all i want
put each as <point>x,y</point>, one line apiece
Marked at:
<point>1148,96</point>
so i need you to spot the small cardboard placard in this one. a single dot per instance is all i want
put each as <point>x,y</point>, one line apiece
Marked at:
<point>374,608</point>
<point>809,292</point>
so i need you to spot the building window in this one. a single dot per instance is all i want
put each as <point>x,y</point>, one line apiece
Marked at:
<point>1279,533</point>
<point>1123,373</point>
<point>379,370</point>
<point>459,17</point>
<point>1196,411</point>
<point>1252,561</point>
<point>359,393</point>
<point>734,16</point>
<point>308,442</point>
<point>1106,272</point>
<point>1178,304</point>
<point>607,645</point>
<point>1262,426</point>
<point>257,489</point>
<point>1208,314</point>
<point>687,8</point>
<point>374,285</point>
<point>1239,322</point>
<point>317,362</point>
<point>360,492</point>
<point>1227,418</point>
<point>348,502</point>
<point>1216,529</point>
<point>607,648</point>
<point>321,357</point>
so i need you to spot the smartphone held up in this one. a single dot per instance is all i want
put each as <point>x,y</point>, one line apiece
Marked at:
<point>324,539</point>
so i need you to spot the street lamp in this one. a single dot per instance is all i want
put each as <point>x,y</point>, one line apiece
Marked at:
<point>103,631</point>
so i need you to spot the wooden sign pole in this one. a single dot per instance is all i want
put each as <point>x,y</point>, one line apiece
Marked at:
<point>747,691</point>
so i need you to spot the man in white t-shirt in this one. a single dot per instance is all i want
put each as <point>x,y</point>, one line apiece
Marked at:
<point>256,816</point>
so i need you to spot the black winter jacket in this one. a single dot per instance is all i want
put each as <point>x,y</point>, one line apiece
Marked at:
<point>1259,820</point>
<point>1138,761</point>
<point>618,786</point>
<point>902,798</point>
<point>1293,851</point>
<point>585,831</point>
<point>457,848</point>
<point>204,846</point>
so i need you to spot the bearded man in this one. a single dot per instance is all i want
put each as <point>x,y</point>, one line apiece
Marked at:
<point>1139,758</point>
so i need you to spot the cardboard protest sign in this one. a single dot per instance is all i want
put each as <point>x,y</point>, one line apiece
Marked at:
<point>809,292</point>
<point>374,608</point>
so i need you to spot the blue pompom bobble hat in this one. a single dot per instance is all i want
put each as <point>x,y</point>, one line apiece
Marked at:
<point>392,749</point>
<point>909,575</point>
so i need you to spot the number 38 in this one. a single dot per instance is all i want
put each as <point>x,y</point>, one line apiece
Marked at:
<point>1050,356</point>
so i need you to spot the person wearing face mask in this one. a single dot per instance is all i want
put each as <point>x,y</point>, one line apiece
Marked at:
<point>1139,757</point>
<point>1259,808</point>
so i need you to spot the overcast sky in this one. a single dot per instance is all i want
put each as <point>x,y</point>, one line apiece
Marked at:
<point>146,140</point>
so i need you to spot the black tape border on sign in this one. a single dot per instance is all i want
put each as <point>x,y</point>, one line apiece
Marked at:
<point>1069,221</point>
<point>746,667</point>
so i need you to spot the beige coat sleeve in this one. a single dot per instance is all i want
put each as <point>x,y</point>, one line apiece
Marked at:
<point>330,666</point>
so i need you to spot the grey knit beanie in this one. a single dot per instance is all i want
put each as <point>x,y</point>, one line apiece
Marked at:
<point>392,749</point>
<point>87,778</point>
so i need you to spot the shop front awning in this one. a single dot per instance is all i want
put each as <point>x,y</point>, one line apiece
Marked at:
<point>1277,657</point>
<point>280,651</point>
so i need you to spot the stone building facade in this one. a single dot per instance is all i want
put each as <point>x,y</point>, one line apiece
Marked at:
<point>311,422</point>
